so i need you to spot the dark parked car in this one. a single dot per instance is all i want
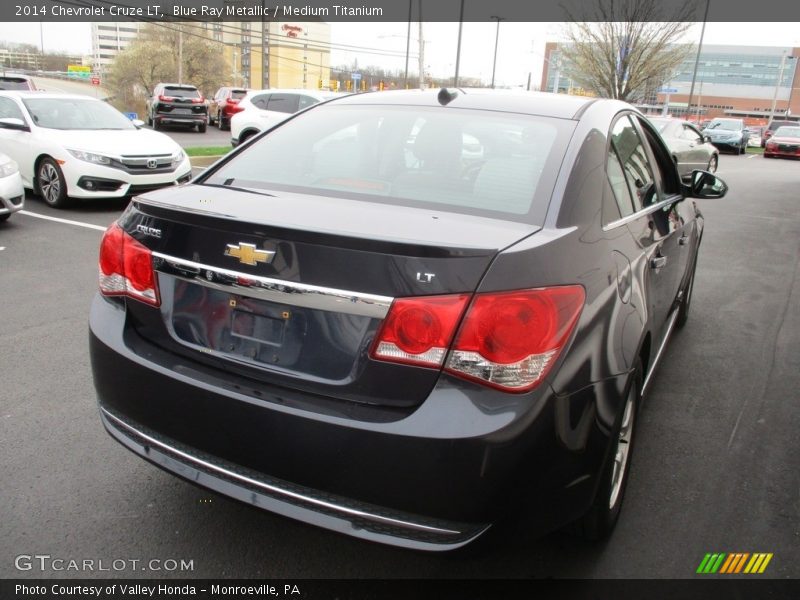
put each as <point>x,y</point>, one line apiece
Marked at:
<point>770,130</point>
<point>177,104</point>
<point>225,104</point>
<point>690,150</point>
<point>730,134</point>
<point>405,316</point>
<point>13,81</point>
<point>785,142</point>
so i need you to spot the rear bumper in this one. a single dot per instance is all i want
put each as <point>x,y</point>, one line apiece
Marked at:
<point>432,479</point>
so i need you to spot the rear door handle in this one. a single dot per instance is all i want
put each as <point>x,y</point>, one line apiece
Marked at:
<point>683,240</point>
<point>658,262</point>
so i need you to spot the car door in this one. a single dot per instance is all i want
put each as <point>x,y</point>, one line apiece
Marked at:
<point>15,143</point>
<point>653,223</point>
<point>697,154</point>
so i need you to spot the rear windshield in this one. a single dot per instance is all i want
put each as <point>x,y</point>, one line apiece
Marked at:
<point>181,92</point>
<point>788,132</point>
<point>474,162</point>
<point>238,94</point>
<point>14,83</point>
<point>776,124</point>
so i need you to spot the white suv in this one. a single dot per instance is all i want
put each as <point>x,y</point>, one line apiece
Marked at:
<point>262,109</point>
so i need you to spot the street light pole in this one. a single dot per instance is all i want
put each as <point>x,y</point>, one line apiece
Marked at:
<point>408,43</point>
<point>777,85</point>
<point>421,51</point>
<point>697,59</point>
<point>458,46</point>
<point>496,41</point>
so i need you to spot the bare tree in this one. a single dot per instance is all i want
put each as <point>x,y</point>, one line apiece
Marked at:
<point>625,48</point>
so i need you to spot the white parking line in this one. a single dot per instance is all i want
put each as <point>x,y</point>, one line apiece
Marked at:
<point>65,221</point>
<point>752,156</point>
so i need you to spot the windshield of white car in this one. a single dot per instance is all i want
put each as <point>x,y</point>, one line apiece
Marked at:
<point>75,113</point>
<point>726,124</point>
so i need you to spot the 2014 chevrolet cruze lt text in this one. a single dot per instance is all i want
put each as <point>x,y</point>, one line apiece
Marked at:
<point>404,315</point>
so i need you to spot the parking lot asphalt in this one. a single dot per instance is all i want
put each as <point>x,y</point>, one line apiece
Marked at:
<point>716,467</point>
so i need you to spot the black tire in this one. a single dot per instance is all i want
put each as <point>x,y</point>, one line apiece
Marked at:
<point>598,523</point>
<point>246,136</point>
<point>149,120</point>
<point>4,217</point>
<point>201,128</point>
<point>713,163</point>
<point>686,301</point>
<point>743,148</point>
<point>224,125</point>
<point>156,125</point>
<point>51,184</point>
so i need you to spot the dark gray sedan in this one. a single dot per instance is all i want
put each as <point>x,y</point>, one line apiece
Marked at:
<point>689,148</point>
<point>405,316</point>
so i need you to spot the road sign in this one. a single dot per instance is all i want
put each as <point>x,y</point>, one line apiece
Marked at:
<point>132,116</point>
<point>79,71</point>
<point>668,90</point>
<point>95,80</point>
<point>355,76</point>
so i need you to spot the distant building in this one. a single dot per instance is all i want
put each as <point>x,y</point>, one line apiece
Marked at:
<point>269,54</point>
<point>733,81</point>
<point>258,54</point>
<point>109,39</point>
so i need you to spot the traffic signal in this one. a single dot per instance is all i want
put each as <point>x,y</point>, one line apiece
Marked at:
<point>363,85</point>
<point>319,83</point>
<point>349,85</point>
<point>381,85</point>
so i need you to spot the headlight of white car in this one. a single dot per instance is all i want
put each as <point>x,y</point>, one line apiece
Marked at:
<point>91,157</point>
<point>178,158</point>
<point>8,168</point>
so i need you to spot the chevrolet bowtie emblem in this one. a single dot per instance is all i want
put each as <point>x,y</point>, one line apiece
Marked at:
<point>248,254</point>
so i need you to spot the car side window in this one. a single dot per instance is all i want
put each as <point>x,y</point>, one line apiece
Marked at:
<point>663,168</point>
<point>306,101</point>
<point>619,187</point>
<point>691,134</point>
<point>285,103</point>
<point>635,165</point>
<point>260,101</point>
<point>10,110</point>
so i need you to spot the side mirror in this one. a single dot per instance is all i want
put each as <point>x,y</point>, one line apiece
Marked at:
<point>706,185</point>
<point>13,123</point>
<point>707,139</point>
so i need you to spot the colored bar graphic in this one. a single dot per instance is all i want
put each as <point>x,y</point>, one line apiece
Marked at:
<point>724,563</point>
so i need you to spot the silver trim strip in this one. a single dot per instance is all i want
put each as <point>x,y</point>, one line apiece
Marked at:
<point>652,370</point>
<point>274,290</point>
<point>645,211</point>
<point>352,512</point>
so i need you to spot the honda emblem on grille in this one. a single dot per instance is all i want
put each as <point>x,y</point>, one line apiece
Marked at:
<point>152,163</point>
<point>248,254</point>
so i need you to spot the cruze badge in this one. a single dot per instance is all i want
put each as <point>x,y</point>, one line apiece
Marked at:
<point>248,254</point>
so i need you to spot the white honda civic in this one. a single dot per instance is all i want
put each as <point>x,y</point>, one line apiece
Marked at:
<point>71,146</point>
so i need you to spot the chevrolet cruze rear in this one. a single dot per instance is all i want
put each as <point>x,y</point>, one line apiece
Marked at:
<point>400,316</point>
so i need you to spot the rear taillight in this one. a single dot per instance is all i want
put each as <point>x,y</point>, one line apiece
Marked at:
<point>510,340</point>
<point>232,108</point>
<point>233,100</point>
<point>197,100</point>
<point>126,267</point>
<point>419,330</point>
<point>507,340</point>
<point>164,98</point>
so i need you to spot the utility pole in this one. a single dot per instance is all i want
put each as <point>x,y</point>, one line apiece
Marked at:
<point>697,59</point>
<point>458,46</point>
<point>421,51</point>
<point>180,54</point>
<point>496,41</point>
<point>777,85</point>
<point>408,43</point>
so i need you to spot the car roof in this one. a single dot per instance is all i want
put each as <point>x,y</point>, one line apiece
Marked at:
<point>314,93</point>
<point>560,106</point>
<point>41,94</point>
<point>188,86</point>
<point>15,76</point>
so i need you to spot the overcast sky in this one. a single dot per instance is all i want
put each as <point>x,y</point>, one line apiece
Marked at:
<point>520,48</point>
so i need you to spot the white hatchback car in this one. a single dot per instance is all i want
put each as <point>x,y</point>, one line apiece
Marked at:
<point>71,146</point>
<point>262,109</point>
<point>12,195</point>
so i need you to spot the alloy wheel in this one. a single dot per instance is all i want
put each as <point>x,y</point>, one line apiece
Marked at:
<point>49,183</point>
